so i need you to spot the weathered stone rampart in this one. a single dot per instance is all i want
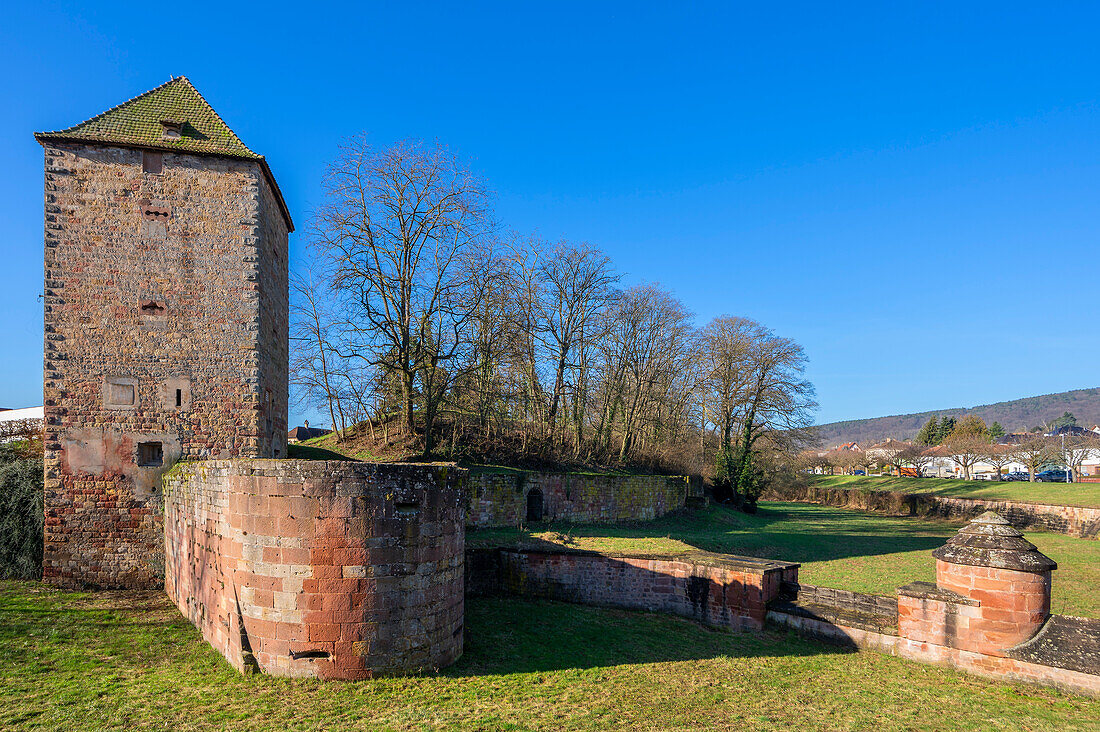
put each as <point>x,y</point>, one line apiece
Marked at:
<point>513,498</point>
<point>988,613</point>
<point>1072,520</point>
<point>720,590</point>
<point>337,570</point>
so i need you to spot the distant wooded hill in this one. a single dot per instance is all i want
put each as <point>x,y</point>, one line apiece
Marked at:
<point>1018,415</point>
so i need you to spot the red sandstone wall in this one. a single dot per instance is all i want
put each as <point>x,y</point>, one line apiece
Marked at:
<point>1011,608</point>
<point>720,590</point>
<point>274,324</point>
<point>204,269</point>
<point>334,570</point>
<point>922,651</point>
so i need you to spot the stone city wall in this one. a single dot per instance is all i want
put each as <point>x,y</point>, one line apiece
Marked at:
<point>988,613</point>
<point>337,570</point>
<point>155,346</point>
<point>516,497</point>
<point>1071,520</point>
<point>717,589</point>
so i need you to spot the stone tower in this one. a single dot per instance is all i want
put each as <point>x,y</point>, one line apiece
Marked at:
<point>166,308</point>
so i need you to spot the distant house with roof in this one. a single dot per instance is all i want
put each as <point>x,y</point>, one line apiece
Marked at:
<point>15,424</point>
<point>301,434</point>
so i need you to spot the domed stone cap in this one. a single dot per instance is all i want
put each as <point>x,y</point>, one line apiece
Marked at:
<point>990,541</point>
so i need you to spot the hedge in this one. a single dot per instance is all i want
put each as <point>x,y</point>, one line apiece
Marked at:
<point>21,516</point>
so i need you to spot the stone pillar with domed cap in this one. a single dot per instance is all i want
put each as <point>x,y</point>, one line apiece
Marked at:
<point>992,591</point>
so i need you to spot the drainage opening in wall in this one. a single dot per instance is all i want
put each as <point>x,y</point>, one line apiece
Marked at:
<point>406,508</point>
<point>299,655</point>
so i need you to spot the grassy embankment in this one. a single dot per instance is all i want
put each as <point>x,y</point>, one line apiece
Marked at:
<point>131,661</point>
<point>852,550</point>
<point>327,448</point>
<point>1062,494</point>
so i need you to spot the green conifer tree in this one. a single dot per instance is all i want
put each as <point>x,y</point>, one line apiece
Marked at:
<point>927,433</point>
<point>996,431</point>
<point>947,426</point>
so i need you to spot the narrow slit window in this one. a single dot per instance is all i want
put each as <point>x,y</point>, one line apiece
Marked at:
<point>179,397</point>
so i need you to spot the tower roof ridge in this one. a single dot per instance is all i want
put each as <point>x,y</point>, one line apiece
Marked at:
<point>140,122</point>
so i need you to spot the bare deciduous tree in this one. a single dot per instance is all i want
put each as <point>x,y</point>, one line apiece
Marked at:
<point>1034,453</point>
<point>999,456</point>
<point>1076,449</point>
<point>396,226</point>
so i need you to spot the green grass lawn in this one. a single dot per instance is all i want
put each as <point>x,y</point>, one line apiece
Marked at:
<point>1061,494</point>
<point>130,661</point>
<point>852,550</point>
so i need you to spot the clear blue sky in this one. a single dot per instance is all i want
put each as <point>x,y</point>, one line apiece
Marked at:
<point>911,192</point>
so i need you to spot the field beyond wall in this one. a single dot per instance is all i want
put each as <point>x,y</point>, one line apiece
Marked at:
<point>1059,494</point>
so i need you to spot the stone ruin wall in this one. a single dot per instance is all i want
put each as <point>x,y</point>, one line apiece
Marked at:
<point>334,570</point>
<point>153,288</point>
<point>503,499</point>
<point>987,613</point>
<point>719,590</point>
<point>1077,521</point>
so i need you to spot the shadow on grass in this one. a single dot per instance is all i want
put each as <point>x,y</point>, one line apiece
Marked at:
<point>506,635</point>
<point>312,452</point>
<point>790,532</point>
<point>78,633</point>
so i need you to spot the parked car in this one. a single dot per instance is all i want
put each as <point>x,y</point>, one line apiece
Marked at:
<point>859,472</point>
<point>1051,476</point>
<point>1018,475</point>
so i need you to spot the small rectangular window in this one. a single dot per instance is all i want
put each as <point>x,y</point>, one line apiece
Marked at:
<point>152,162</point>
<point>179,397</point>
<point>150,454</point>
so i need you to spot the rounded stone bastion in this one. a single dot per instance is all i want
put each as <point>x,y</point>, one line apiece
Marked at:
<point>338,570</point>
<point>1005,577</point>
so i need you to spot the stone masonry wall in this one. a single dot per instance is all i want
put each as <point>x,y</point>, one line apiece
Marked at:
<point>987,613</point>
<point>1071,520</point>
<point>980,664</point>
<point>274,345</point>
<point>717,589</point>
<point>501,499</point>
<point>335,570</point>
<point>153,287</point>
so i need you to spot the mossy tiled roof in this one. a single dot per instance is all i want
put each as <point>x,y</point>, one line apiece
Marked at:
<point>139,123</point>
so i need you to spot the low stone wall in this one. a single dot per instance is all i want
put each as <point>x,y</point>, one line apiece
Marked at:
<point>853,609</point>
<point>513,498</point>
<point>720,590</point>
<point>980,664</point>
<point>987,613</point>
<point>337,570</point>
<point>1071,520</point>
